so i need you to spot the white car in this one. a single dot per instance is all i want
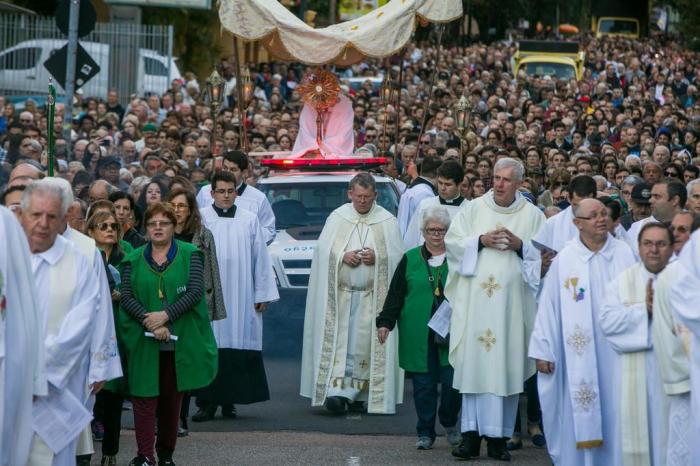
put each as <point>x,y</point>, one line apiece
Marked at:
<point>302,201</point>
<point>22,68</point>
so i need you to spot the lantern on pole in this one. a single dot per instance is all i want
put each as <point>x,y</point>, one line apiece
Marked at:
<point>215,93</point>
<point>462,115</point>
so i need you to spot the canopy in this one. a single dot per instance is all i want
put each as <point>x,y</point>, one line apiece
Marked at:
<point>380,33</point>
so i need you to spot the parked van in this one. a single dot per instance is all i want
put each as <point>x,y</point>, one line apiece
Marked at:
<point>22,68</point>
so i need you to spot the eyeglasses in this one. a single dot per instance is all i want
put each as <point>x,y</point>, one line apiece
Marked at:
<point>595,217</point>
<point>435,231</point>
<point>104,226</point>
<point>159,224</point>
<point>221,192</point>
<point>671,174</point>
<point>180,206</point>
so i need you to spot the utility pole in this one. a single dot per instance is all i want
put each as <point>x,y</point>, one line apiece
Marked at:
<point>332,11</point>
<point>70,69</point>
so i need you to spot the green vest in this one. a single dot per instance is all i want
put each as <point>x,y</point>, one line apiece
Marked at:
<point>127,248</point>
<point>415,314</point>
<point>196,353</point>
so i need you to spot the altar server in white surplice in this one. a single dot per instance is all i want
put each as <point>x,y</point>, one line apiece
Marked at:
<point>578,368</point>
<point>68,294</point>
<point>560,229</point>
<point>626,318</point>
<point>671,341</point>
<point>421,188</point>
<point>449,177</point>
<point>22,364</point>
<point>684,298</point>
<point>246,271</point>
<point>494,276</point>
<point>247,197</point>
<point>343,364</point>
<point>105,363</point>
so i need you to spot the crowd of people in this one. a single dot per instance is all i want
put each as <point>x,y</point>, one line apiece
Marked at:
<point>551,237</point>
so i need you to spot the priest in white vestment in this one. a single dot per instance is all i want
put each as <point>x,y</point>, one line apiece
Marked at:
<point>449,177</point>
<point>560,229</point>
<point>248,197</point>
<point>684,297</point>
<point>671,340</point>
<point>494,276</point>
<point>249,285</point>
<point>68,294</point>
<point>22,354</point>
<point>626,319</point>
<point>421,188</point>
<point>578,369</point>
<point>105,363</point>
<point>343,363</point>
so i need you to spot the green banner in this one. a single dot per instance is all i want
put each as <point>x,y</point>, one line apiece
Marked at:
<point>52,137</point>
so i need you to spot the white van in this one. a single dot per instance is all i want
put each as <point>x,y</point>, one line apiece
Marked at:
<point>22,69</point>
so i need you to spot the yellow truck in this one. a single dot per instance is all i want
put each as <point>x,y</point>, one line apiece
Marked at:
<point>622,18</point>
<point>616,26</point>
<point>557,59</point>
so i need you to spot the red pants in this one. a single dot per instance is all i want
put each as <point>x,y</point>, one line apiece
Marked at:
<point>165,408</point>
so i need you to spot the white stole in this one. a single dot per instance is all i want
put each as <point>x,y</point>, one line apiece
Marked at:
<point>579,349</point>
<point>633,402</point>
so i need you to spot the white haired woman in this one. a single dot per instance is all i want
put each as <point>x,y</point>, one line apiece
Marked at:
<point>415,293</point>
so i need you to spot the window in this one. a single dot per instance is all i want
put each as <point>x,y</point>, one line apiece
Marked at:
<point>310,204</point>
<point>20,59</point>
<point>154,67</point>
<point>556,70</point>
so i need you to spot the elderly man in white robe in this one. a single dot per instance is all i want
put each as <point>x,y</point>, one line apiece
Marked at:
<point>247,197</point>
<point>578,369</point>
<point>105,363</point>
<point>494,276</point>
<point>684,297</point>
<point>449,176</point>
<point>245,266</point>
<point>626,319</point>
<point>671,340</point>
<point>68,298</point>
<point>343,363</point>
<point>423,187</point>
<point>22,364</point>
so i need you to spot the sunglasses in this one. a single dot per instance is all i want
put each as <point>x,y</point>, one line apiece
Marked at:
<point>671,174</point>
<point>104,226</point>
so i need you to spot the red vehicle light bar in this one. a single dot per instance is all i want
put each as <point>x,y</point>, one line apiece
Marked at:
<point>328,164</point>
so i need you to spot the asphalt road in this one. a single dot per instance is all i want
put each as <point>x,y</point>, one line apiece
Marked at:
<point>286,430</point>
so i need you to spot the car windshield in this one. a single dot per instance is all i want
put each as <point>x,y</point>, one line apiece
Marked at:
<point>558,70</point>
<point>310,204</point>
<point>616,26</point>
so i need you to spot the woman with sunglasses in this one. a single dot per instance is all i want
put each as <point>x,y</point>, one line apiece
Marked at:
<point>165,330</point>
<point>103,227</point>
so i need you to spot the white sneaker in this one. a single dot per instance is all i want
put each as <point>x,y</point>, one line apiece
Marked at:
<point>424,443</point>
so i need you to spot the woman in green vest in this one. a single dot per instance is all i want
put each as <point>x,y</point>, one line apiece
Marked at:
<point>165,331</point>
<point>415,293</point>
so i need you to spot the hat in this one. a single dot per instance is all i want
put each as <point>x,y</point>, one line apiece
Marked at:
<point>149,128</point>
<point>641,193</point>
<point>109,160</point>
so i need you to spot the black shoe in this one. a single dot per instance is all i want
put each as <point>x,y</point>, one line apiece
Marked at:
<point>140,461</point>
<point>336,404</point>
<point>228,411</point>
<point>357,407</point>
<point>204,413</point>
<point>469,446</point>
<point>166,462</point>
<point>496,448</point>
<point>83,460</point>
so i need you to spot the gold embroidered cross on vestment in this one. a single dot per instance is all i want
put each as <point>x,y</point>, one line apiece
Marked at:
<point>490,286</point>
<point>488,340</point>
<point>584,396</point>
<point>578,340</point>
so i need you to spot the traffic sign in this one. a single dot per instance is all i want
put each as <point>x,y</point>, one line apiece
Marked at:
<point>86,21</point>
<point>85,67</point>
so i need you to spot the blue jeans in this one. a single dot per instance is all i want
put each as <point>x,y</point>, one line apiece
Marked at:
<point>425,396</point>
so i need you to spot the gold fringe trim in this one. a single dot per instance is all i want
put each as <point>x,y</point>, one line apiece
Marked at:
<point>589,444</point>
<point>357,384</point>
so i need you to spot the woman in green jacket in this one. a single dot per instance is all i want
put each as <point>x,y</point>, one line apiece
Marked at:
<point>165,331</point>
<point>415,293</point>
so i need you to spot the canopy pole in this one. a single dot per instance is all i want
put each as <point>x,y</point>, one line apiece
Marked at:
<point>432,83</point>
<point>398,96</point>
<point>243,136</point>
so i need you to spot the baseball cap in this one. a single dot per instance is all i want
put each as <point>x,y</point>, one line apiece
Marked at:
<point>641,193</point>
